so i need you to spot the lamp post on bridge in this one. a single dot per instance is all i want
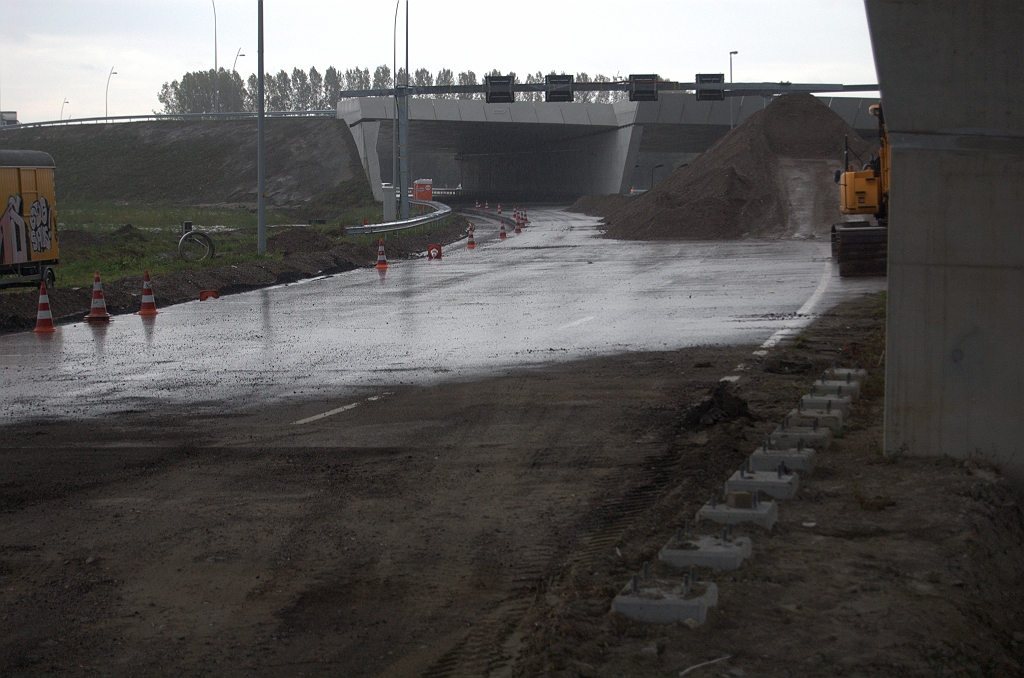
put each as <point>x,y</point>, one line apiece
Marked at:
<point>237,54</point>
<point>106,96</point>
<point>62,108</point>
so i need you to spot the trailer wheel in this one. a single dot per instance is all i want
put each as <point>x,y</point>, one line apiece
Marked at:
<point>195,246</point>
<point>50,278</point>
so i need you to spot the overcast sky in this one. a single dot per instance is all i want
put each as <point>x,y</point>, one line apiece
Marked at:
<point>52,50</point>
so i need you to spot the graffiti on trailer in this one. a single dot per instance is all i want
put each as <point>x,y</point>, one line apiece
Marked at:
<point>13,233</point>
<point>40,217</point>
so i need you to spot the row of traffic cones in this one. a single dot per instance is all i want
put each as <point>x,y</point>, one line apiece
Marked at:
<point>98,307</point>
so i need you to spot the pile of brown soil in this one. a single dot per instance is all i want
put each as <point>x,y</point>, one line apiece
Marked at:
<point>733,190</point>
<point>600,205</point>
<point>299,240</point>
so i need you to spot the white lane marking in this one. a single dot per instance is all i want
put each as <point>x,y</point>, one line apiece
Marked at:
<point>733,378</point>
<point>325,414</point>
<point>576,323</point>
<point>790,326</point>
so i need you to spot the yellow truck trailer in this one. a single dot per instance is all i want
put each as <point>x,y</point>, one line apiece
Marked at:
<point>28,225</point>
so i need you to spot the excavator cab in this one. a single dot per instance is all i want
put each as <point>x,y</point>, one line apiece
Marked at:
<point>866,191</point>
<point>858,247</point>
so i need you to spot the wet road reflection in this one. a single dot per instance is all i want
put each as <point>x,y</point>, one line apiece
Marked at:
<point>555,292</point>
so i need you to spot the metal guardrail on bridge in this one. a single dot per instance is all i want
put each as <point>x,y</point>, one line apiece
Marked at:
<point>237,115</point>
<point>441,211</point>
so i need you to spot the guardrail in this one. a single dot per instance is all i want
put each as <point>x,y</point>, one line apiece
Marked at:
<point>237,115</point>
<point>441,211</point>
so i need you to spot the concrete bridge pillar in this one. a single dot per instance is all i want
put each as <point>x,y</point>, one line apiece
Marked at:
<point>952,81</point>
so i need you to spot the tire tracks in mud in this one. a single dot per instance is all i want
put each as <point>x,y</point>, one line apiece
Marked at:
<point>490,648</point>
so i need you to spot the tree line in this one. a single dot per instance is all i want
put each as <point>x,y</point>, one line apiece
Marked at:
<point>197,91</point>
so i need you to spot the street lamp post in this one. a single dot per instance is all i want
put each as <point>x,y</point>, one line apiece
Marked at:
<point>236,59</point>
<point>730,82</point>
<point>62,108</point>
<point>261,161</point>
<point>216,75</point>
<point>394,122</point>
<point>652,175</point>
<point>403,131</point>
<point>106,97</point>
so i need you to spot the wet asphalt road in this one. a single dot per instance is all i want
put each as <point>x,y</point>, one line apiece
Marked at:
<point>555,292</point>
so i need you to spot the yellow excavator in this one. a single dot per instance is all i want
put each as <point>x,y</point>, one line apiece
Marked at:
<point>860,247</point>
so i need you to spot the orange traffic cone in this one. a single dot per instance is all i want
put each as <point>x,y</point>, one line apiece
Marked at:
<point>471,243</point>
<point>382,261</point>
<point>499,208</point>
<point>519,227</point>
<point>44,319</point>
<point>487,206</point>
<point>148,303</point>
<point>477,204</point>
<point>501,233</point>
<point>98,309</point>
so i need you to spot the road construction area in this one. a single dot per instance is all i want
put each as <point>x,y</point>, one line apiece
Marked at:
<point>552,293</point>
<point>450,469</point>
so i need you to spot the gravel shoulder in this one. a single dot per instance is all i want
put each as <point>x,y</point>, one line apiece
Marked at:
<point>482,528</point>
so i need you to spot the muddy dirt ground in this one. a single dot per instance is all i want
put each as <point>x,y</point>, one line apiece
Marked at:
<point>483,528</point>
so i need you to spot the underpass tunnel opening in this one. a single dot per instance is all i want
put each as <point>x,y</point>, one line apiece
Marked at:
<point>505,162</point>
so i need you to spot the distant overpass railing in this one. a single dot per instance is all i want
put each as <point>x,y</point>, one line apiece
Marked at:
<point>236,115</point>
<point>441,212</point>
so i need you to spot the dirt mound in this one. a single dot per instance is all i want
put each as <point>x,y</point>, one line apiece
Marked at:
<point>128,232</point>
<point>600,205</point>
<point>309,161</point>
<point>295,240</point>
<point>75,239</point>
<point>737,188</point>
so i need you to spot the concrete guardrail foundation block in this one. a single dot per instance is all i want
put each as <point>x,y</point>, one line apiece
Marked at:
<point>706,551</point>
<point>801,417</point>
<point>827,403</point>
<point>768,459</point>
<point>772,483</point>
<point>664,601</point>
<point>764,514</point>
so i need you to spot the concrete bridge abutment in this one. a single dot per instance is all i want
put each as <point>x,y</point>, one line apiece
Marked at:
<point>955,336</point>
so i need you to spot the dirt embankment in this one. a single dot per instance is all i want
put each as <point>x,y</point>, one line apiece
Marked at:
<point>305,252</point>
<point>769,177</point>
<point>483,528</point>
<point>309,162</point>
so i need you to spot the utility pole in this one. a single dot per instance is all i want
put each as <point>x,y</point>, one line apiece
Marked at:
<point>216,75</point>
<point>403,127</point>
<point>394,122</point>
<point>261,159</point>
